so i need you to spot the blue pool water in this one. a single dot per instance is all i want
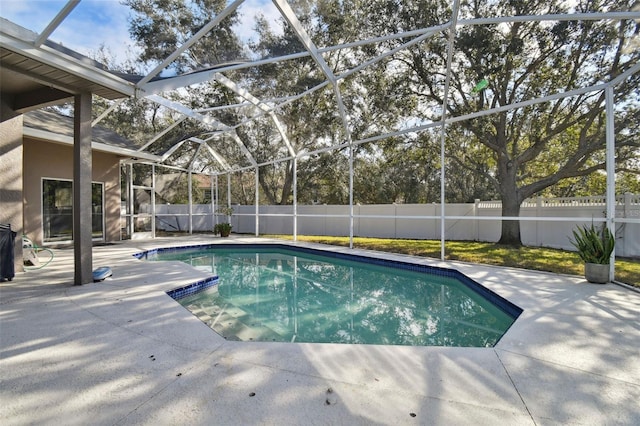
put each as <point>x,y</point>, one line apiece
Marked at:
<point>279,293</point>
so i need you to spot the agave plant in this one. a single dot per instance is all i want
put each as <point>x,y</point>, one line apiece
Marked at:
<point>594,245</point>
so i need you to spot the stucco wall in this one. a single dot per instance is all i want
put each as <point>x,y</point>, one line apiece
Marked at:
<point>50,160</point>
<point>11,152</point>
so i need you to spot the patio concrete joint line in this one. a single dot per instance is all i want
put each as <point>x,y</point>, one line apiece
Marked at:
<point>514,386</point>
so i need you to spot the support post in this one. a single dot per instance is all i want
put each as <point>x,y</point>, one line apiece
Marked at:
<point>130,203</point>
<point>295,198</point>
<point>350,194</point>
<point>213,202</point>
<point>190,187</point>
<point>82,173</point>
<point>445,99</point>
<point>216,204</point>
<point>257,202</point>
<point>153,201</point>
<point>611,174</point>
<point>229,195</point>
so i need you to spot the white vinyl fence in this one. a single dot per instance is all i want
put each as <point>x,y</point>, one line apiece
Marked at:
<point>421,221</point>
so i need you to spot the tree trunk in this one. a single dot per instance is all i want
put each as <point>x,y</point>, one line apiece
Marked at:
<point>287,188</point>
<point>510,228</point>
<point>511,201</point>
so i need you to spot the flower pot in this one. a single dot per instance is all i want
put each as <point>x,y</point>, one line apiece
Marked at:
<point>596,273</point>
<point>224,229</point>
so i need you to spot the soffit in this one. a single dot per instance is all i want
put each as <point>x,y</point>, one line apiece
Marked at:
<point>34,76</point>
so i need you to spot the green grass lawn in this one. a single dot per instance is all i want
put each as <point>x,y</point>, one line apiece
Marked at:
<point>536,258</point>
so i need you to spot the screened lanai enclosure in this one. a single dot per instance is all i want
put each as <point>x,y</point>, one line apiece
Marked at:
<point>509,121</point>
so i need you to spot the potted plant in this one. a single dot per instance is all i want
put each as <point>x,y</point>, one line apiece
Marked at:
<point>594,248</point>
<point>224,229</point>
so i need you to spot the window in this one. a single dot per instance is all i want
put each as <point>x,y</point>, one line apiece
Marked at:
<point>57,210</point>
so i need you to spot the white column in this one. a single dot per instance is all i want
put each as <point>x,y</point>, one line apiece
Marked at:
<point>295,198</point>
<point>190,187</point>
<point>257,202</point>
<point>611,173</point>
<point>130,203</point>
<point>153,201</point>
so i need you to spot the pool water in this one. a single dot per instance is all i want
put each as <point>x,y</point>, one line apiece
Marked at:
<point>283,295</point>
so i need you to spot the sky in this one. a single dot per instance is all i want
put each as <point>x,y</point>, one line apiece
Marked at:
<point>93,23</point>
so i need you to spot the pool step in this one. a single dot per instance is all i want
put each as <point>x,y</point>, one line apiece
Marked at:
<point>233,323</point>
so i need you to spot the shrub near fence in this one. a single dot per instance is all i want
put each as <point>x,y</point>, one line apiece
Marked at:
<point>421,221</point>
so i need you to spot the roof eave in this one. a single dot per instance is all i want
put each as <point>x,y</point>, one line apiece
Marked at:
<point>96,146</point>
<point>21,41</point>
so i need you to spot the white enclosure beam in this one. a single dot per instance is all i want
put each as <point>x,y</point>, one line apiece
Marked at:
<point>257,202</point>
<point>224,107</point>
<point>283,134</point>
<point>258,103</point>
<point>445,100</point>
<point>289,15</point>
<point>197,36</point>
<point>628,73</point>
<point>209,121</point>
<point>558,17</point>
<point>194,156</point>
<point>162,133</point>
<point>107,111</point>
<point>188,112</point>
<point>190,186</point>
<point>171,83</point>
<point>171,150</point>
<point>55,22</point>
<point>303,36</point>
<point>295,199</point>
<point>244,149</point>
<point>217,157</point>
<point>611,173</point>
<point>230,84</point>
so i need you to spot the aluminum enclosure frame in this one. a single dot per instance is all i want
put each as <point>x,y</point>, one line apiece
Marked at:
<point>152,88</point>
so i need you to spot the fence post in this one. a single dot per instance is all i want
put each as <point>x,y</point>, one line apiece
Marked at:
<point>538,213</point>
<point>476,224</point>
<point>395,220</point>
<point>626,213</point>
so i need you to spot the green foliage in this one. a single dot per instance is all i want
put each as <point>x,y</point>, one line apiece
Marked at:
<point>535,258</point>
<point>178,191</point>
<point>556,146</point>
<point>594,245</point>
<point>223,229</point>
<point>538,146</point>
<point>162,26</point>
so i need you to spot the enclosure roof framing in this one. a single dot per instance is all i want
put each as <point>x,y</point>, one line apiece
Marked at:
<point>201,33</point>
<point>28,59</point>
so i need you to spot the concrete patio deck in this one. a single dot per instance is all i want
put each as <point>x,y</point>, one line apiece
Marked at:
<point>123,352</point>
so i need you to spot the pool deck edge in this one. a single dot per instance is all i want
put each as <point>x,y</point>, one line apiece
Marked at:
<point>123,352</point>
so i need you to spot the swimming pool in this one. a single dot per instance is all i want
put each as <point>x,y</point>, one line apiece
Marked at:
<point>277,292</point>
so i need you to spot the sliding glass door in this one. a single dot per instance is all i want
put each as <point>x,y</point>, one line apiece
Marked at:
<point>57,210</point>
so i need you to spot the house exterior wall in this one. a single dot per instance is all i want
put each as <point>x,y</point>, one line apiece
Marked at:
<point>49,160</point>
<point>11,153</point>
